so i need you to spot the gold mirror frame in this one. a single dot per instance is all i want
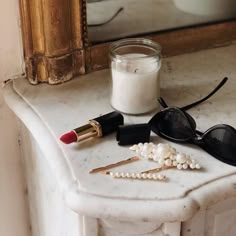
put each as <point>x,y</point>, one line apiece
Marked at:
<point>56,45</point>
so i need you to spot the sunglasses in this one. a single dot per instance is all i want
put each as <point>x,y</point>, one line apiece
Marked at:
<point>176,125</point>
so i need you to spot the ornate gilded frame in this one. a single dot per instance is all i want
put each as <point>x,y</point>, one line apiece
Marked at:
<point>56,45</point>
<point>55,39</point>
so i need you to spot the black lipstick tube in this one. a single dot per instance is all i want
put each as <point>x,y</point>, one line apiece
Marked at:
<point>100,126</point>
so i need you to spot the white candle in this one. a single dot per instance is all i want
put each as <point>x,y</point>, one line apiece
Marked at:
<point>135,84</point>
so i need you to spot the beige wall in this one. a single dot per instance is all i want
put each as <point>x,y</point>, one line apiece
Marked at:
<point>11,62</point>
<point>13,213</point>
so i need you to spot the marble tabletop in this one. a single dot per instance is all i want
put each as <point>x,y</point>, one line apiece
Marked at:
<point>184,79</point>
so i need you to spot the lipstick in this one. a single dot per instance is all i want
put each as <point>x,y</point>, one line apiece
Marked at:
<point>97,127</point>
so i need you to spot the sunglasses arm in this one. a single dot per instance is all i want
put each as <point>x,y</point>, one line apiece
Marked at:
<point>164,104</point>
<point>198,132</point>
<point>208,96</point>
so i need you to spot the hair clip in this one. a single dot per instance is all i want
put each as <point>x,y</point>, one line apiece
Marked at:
<point>141,176</point>
<point>103,168</point>
<point>165,155</point>
<point>157,169</point>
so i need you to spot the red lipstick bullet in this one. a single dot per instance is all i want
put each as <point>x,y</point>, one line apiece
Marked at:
<point>97,127</point>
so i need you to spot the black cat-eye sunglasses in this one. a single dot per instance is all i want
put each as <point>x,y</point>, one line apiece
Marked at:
<point>175,124</point>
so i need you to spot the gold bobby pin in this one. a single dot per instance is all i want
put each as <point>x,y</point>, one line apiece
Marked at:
<point>157,169</point>
<point>103,168</point>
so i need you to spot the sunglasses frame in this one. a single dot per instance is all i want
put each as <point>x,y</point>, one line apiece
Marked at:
<point>197,137</point>
<point>219,126</point>
<point>190,119</point>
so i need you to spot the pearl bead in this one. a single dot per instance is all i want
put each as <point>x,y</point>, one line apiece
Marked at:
<point>151,144</point>
<point>133,175</point>
<point>179,166</point>
<point>149,176</point>
<point>189,162</point>
<point>185,166</point>
<point>181,158</point>
<point>194,162</point>
<point>117,174</point>
<point>122,174</point>
<point>139,176</point>
<point>192,166</point>
<point>144,176</point>
<point>168,162</point>
<point>134,147</point>
<point>112,174</point>
<point>161,162</point>
<point>128,175</point>
<point>154,176</point>
<point>140,145</point>
<point>146,149</point>
<point>175,163</point>
<point>198,166</point>
<point>156,157</point>
<point>162,151</point>
<point>143,153</point>
<point>161,177</point>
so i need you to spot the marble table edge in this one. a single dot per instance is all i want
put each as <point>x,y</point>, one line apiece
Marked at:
<point>53,154</point>
<point>180,209</point>
<point>163,210</point>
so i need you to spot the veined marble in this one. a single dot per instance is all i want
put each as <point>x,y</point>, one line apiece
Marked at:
<point>50,111</point>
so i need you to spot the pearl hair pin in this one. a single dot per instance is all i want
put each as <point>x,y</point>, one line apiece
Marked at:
<point>141,176</point>
<point>165,155</point>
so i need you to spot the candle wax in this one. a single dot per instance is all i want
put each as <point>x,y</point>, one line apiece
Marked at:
<point>135,84</point>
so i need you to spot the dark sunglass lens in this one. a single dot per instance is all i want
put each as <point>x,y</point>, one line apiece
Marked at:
<point>172,123</point>
<point>221,142</point>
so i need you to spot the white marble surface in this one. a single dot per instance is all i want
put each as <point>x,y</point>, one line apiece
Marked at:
<point>184,79</point>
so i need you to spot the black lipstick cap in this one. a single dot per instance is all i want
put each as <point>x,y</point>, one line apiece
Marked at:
<point>133,134</point>
<point>110,122</point>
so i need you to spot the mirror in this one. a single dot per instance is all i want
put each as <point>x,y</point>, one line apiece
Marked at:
<point>114,19</point>
<point>82,46</point>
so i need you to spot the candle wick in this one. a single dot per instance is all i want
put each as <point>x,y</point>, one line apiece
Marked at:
<point>135,71</point>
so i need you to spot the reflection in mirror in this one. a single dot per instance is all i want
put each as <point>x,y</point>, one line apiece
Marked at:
<point>114,19</point>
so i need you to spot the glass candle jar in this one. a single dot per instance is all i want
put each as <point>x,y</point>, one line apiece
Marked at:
<point>135,65</point>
